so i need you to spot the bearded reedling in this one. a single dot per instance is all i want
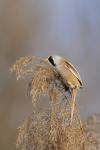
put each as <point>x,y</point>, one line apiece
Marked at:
<point>69,75</point>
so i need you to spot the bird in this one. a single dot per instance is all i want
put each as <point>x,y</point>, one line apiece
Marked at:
<point>69,75</point>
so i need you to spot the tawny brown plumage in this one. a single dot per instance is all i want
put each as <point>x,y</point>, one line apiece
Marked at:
<point>70,75</point>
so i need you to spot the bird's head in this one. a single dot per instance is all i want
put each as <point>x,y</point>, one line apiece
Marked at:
<point>54,60</point>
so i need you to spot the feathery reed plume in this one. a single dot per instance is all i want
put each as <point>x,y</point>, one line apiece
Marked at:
<point>49,129</point>
<point>23,67</point>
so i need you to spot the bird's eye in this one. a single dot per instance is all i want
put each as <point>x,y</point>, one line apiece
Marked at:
<point>51,61</point>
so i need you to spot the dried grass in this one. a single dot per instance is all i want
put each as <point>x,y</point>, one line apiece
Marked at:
<point>49,129</point>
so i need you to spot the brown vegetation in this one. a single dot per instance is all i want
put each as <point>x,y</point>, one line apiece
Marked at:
<point>50,128</point>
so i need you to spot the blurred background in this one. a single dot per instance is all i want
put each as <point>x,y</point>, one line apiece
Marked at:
<point>70,28</point>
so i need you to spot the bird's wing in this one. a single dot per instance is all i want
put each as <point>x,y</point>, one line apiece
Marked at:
<point>73,70</point>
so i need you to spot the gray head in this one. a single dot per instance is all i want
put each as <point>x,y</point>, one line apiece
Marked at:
<point>54,60</point>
